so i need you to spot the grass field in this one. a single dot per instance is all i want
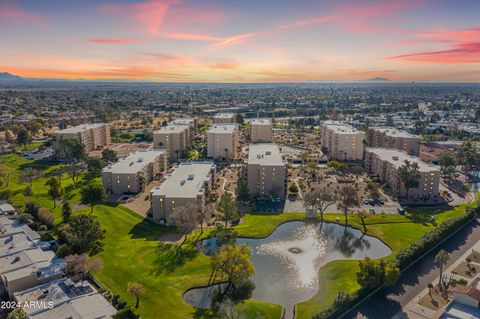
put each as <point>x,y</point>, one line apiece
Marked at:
<point>133,252</point>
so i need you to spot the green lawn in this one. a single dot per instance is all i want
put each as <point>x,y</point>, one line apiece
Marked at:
<point>132,251</point>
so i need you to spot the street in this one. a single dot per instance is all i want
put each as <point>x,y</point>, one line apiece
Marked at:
<point>389,301</point>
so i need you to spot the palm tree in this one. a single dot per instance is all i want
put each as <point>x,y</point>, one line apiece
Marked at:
<point>441,259</point>
<point>348,198</point>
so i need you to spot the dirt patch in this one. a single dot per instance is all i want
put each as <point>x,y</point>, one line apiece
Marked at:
<point>466,270</point>
<point>435,299</point>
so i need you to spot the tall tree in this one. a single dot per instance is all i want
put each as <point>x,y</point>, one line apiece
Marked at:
<point>23,137</point>
<point>347,198</point>
<point>447,163</point>
<point>55,189</point>
<point>6,173</point>
<point>95,166</point>
<point>363,214</point>
<point>93,193</point>
<point>320,199</point>
<point>29,175</point>
<point>109,155</point>
<point>234,264</point>
<point>66,211</point>
<point>136,289</point>
<point>226,206</point>
<point>242,190</point>
<point>74,171</point>
<point>185,218</point>
<point>83,234</point>
<point>409,174</point>
<point>82,265</point>
<point>441,259</point>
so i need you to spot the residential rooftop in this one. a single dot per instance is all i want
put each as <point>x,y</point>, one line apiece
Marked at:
<point>80,128</point>
<point>341,127</point>
<point>265,154</point>
<point>394,132</point>
<point>134,162</point>
<point>224,115</point>
<point>183,121</point>
<point>260,122</point>
<point>186,180</point>
<point>172,128</point>
<point>398,158</point>
<point>222,128</point>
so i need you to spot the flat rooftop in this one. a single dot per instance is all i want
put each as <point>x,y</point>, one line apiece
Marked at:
<point>134,162</point>
<point>260,122</point>
<point>172,128</point>
<point>398,158</point>
<point>81,128</point>
<point>394,132</point>
<point>265,154</point>
<point>224,115</point>
<point>222,128</point>
<point>341,128</point>
<point>183,121</point>
<point>186,181</point>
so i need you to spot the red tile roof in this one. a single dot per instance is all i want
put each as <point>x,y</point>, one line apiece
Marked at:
<point>470,291</point>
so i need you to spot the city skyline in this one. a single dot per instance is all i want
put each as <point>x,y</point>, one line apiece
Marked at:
<point>229,41</point>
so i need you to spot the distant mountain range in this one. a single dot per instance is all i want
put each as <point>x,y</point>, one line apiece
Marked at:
<point>5,76</point>
<point>377,80</point>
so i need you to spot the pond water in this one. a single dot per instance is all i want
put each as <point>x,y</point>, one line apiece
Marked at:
<point>287,262</point>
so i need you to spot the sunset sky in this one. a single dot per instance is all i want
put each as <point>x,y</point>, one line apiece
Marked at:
<point>241,40</point>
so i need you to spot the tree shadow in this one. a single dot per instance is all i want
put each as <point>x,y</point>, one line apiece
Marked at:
<point>205,314</point>
<point>150,230</point>
<point>169,257</point>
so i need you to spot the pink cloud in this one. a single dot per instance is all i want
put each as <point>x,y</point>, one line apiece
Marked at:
<point>112,40</point>
<point>459,54</point>
<point>193,37</point>
<point>12,10</point>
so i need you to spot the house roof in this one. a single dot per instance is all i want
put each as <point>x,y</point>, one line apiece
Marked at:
<point>470,291</point>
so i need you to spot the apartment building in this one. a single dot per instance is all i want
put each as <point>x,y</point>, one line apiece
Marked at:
<point>224,118</point>
<point>93,136</point>
<point>266,171</point>
<point>222,141</point>
<point>261,130</point>
<point>343,142</point>
<point>191,122</point>
<point>390,137</point>
<point>132,173</point>
<point>62,299</point>
<point>173,139</point>
<point>187,183</point>
<point>385,162</point>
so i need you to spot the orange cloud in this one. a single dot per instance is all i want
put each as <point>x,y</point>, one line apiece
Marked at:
<point>194,37</point>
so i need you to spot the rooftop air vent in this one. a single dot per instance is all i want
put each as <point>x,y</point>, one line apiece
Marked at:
<point>395,158</point>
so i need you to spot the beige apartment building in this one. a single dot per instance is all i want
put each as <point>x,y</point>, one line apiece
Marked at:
<point>175,137</point>
<point>132,173</point>
<point>186,184</point>
<point>191,122</point>
<point>390,137</point>
<point>93,136</point>
<point>261,130</point>
<point>266,171</point>
<point>222,141</point>
<point>385,162</point>
<point>343,141</point>
<point>224,118</point>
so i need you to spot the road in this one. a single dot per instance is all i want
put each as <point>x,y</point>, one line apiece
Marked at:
<point>389,301</point>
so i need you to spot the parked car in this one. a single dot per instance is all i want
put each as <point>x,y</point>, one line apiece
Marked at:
<point>401,211</point>
<point>366,201</point>
<point>372,210</point>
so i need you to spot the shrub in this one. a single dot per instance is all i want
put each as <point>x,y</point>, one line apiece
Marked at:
<point>46,217</point>
<point>32,209</point>
<point>28,191</point>
<point>47,236</point>
<point>24,218</point>
<point>64,250</point>
<point>125,313</point>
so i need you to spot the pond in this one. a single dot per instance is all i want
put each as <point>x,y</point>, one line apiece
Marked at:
<point>287,261</point>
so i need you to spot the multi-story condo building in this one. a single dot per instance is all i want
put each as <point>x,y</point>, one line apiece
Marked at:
<point>132,173</point>
<point>92,136</point>
<point>385,163</point>
<point>191,122</point>
<point>261,130</point>
<point>224,118</point>
<point>342,141</point>
<point>389,137</point>
<point>222,141</point>
<point>173,139</point>
<point>266,171</point>
<point>186,184</point>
